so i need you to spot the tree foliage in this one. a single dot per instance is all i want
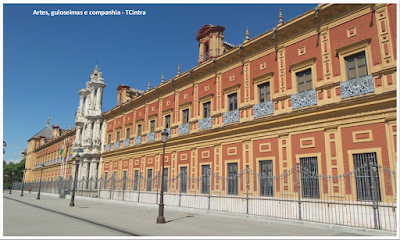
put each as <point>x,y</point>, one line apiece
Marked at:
<point>9,168</point>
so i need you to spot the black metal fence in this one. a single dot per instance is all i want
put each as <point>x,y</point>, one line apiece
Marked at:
<point>365,197</point>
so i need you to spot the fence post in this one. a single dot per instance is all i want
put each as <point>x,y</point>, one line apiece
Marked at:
<point>158,184</point>
<point>372,170</point>
<point>247,189</point>
<point>180,187</point>
<point>138,196</point>
<point>90,186</point>
<point>298,188</point>
<point>209,187</point>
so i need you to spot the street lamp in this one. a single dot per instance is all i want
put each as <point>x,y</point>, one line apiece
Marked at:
<point>12,176</point>
<point>40,183</point>
<point>161,218</point>
<point>23,175</point>
<point>76,163</point>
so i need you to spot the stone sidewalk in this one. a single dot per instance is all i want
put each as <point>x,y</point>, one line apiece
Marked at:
<point>104,217</point>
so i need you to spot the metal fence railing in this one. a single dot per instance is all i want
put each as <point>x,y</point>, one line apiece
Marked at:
<point>365,197</point>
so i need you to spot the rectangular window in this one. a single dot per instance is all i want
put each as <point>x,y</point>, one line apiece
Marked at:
<point>128,133</point>
<point>183,179</point>
<point>207,109</point>
<point>149,179</point>
<point>232,101</point>
<point>139,129</point>
<point>304,80</point>
<point>152,125</point>
<point>114,179</point>
<point>362,173</point>
<point>205,179</point>
<point>168,121</point>
<point>206,49</point>
<point>309,177</point>
<point>135,186</point>
<point>185,116</point>
<point>117,136</point>
<point>264,92</point>
<point>124,181</point>
<point>165,179</point>
<point>232,178</point>
<point>109,138</point>
<point>266,180</point>
<point>356,65</point>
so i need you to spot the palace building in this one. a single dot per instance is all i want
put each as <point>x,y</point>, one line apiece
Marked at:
<point>318,91</point>
<point>86,138</point>
<point>299,118</point>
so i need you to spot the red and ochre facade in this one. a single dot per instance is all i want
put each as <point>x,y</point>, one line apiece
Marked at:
<point>332,129</point>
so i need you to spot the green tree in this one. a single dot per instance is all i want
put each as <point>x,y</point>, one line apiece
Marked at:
<point>9,168</point>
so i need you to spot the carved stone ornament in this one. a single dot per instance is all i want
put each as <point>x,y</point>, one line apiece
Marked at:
<point>357,86</point>
<point>205,123</point>
<point>96,142</point>
<point>263,109</point>
<point>304,99</point>
<point>231,117</point>
<point>184,128</point>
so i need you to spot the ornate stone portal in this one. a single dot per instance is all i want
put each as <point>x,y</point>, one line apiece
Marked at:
<point>89,126</point>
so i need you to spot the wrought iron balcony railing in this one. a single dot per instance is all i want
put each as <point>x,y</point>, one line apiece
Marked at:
<point>151,137</point>
<point>184,128</point>
<point>205,123</point>
<point>263,109</point>
<point>357,86</point>
<point>304,99</point>
<point>231,117</point>
<point>116,145</point>
<point>127,142</point>
<point>138,140</point>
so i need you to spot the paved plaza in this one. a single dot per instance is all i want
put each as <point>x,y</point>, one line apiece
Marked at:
<point>52,216</point>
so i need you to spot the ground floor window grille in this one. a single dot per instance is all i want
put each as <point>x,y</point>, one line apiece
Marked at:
<point>149,179</point>
<point>124,181</point>
<point>362,174</point>
<point>232,178</point>
<point>266,183</point>
<point>205,182</point>
<point>165,179</point>
<point>114,180</point>
<point>105,180</point>
<point>135,186</point>
<point>309,177</point>
<point>183,179</point>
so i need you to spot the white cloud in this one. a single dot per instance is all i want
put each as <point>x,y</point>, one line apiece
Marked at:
<point>14,161</point>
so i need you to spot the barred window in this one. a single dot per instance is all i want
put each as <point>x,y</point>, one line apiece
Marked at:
<point>135,186</point>
<point>114,180</point>
<point>124,181</point>
<point>362,174</point>
<point>304,80</point>
<point>185,116</point>
<point>152,125</point>
<point>165,179</point>
<point>183,179</point>
<point>232,178</point>
<point>232,101</point>
<point>205,182</point>
<point>117,136</point>
<point>168,121</point>
<point>266,178</point>
<point>207,109</point>
<point>356,65</point>
<point>264,92</point>
<point>309,177</point>
<point>149,179</point>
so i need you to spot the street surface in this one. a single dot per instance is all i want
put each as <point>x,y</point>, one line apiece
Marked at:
<point>52,216</point>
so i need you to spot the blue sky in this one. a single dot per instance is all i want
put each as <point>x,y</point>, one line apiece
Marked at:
<point>47,60</point>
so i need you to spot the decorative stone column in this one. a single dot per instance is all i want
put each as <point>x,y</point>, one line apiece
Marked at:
<point>94,172</point>
<point>80,108</point>
<point>98,97</point>
<point>85,170</point>
<point>78,139</point>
